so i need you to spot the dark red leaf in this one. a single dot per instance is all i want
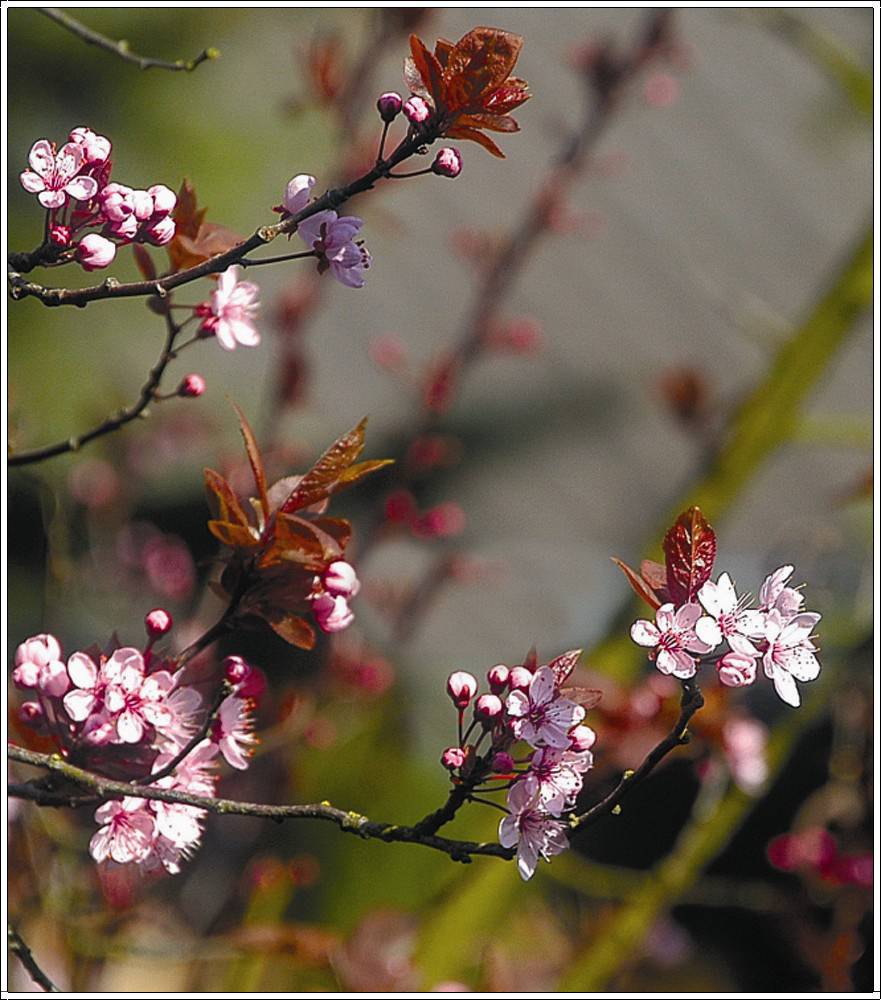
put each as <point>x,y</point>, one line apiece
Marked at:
<point>588,698</point>
<point>639,585</point>
<point>564,664</point>
<point>256,463</point>
<point>319,481</point>
<point>294,630</point>
<point>690,548</point>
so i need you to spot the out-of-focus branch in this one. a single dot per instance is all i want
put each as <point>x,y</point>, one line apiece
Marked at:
<point>121,48</point>
<point>21,951</point>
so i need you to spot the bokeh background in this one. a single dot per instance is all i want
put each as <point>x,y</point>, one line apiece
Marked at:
<point>673,358</point>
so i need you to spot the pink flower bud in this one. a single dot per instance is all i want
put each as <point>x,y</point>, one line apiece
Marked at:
<point>417,110</point>
<point>157,623</point>
<point>503,762</point>
<point>191,385</point>
<point>126,228</point>
<point>461,687</point>
<point>164,200</point>
<point>40,649</point>
<point>332,613</point>
<point>453,758</point>
<point>488,708</point>
<point>60,235</point>
<point>142,202</point>
<point>235,669</point>
<point>31,714</point>
<point>389,106</point>
<point>94,252</point>
<point>737,669</point>
<point>96,148</point>
<point>54,681</point>
<point>297,193</point>
<point>498,678</point>
<point>341,580</point>
<point>116,202</point>
<point>583,738</point>
<point>160,232</point>
<point>27,675</point>
<point>519,679</point>
<point>448,162</point>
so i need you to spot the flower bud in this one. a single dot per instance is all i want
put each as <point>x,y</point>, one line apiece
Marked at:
<point>488,708</point>
<point>519,679</point>
<point>417,110</point>
<point>142,205</point>
<point>126,228</point>
<point>461,687</point>
<point>160,232</point>
<point>389,106</point>
<point>583,738</point>
<point>453,758</point>
<point>157,623</point>
<point>94,252</point>
<point>503,762</point>
<point>31,714</point>
<point>60,235</point>
<point>164,200</point>
<point>96,148</point>
<point>498,678</point>
<point>341,580</point>
<point>736,669</point>
<point>297,193</point>
<point>54,681</point>
<point>235,669</point>
<point>40,649</point>
<point>191,385</point>
<point>448,162</point>
<point>116,202</point>
<point>332,613</point>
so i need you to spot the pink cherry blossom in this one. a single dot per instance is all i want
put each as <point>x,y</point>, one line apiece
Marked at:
<point>297,193</point>
<point>556,777</point>
<point>232,731</point>
<point>448,162</point>
<point>32,657</point>
<point>534,832</point>
<point>774,595</point>
<point>333,614</point>
<point>126,833</point>
<point>94,252</point>
<point>673,637</point>
<point>737,669</point>
<point>230,311</point>
<point>55,177</point>
<point>417,110</point>
<point>341,580</point>
<point>333,240</point>
<point>96,148</point>
<point>790,654</point>
<point>728,619</point>
<point>540,715</point>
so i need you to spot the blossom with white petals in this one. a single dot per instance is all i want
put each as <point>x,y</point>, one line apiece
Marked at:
<point>728,619</point>
<point>540,715</point>
<point>55,176</point>
<point>527,825</point>
<point>673,637</point>
<point>790,654</point>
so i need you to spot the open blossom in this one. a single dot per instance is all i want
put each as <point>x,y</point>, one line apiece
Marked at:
<point>55,177</point>
<point>540,715</point>
<point>232,731</point>
<point>126,834</point>
<point>535,833</point>
<point>556,777</point>
<point>672,635</point>
<point>333,240</point>
<point>790,654</point>
<point>774,595</point>
<point>727,618</point>
<point>230,311</point>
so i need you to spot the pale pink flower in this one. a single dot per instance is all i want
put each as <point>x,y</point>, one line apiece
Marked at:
<point>116,201</point>
<point>333,614</point>
<point>529,827</point>
<point>94,252</point>
<point>790,654</point>
<point>341,580</point>
<point>96,148</point>
<point>32,657</point>
<point>540,715</point>
<point>55,176</point>
<point>126,834</point>
<point>728,619</point>
<point>556,777</point>
<point>774,595</point>
<point>232,306</point>
<point>164,200</point>
<point>673,637</point>
<point>333,240</point>
<point>297,193</point>
<point>232,731</point>
<point>87,695</point>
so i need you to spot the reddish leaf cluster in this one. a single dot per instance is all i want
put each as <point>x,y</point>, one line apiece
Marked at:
<point>469,84</point>
<point>276,552</point>
<point>196,240</point>
<point>689,550</point>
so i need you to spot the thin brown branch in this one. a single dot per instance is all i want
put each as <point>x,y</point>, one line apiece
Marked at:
<point>21,951</point>
<point>121,48</point>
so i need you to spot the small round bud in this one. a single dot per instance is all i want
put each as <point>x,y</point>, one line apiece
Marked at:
<point>341,580</point>
<point>488,708</point>
<point>389,106</point>
<point>583,738</point>
<point>737,669</point>
<point>519,679</point>
<point>503,762</point>
<point>157,623</point>
<point>31,714</point>
<point>498,678</point>
<point>332,613</point>
<point>235,669</point>
<point>160,231</point>
<point>94,252</point>
<point>60,235</point>
<point>461,687</point>
<point>417,110</point>
<point>448,162</point>
<point>453,758</point>
<point>191,385</point>
<point>164,199</point>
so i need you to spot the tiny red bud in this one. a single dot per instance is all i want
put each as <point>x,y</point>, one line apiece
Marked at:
<point>192,385</point>
<point>448,162</point>
<point>389,106</point>
<point>453,758</point>
<point>235,669</point>
<point>157,623</point>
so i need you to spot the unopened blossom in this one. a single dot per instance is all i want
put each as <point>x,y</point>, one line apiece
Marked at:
<point>453,758</point>
<point>737,669</point>
<point>297,193</point>
<point>96,148</point>
<point>341,580</point>
<point>94,252</point>
<point>448,162</point>
<point>727,618</point>
<point>230,311</point>
<point>672,636</point>
<point>519,678</point>
<point>536,834</point>
<point>389,106</point>
<point>488,708</point>
<point>333,240</point>
<point>235,669</point>
<point>192,385</point>
<point>333,614</point>
<point>497,677</point>
<point>164,200</point>
<point>790,654</point>
<point>583,738</point>
<point>55,177</point>
<point>157,622</point>
<point>159,231</point>
<point>116,202</point>
<point>417,110</point>
<point>32,656</point>
<point>540,715</point>
<point>461,687</point>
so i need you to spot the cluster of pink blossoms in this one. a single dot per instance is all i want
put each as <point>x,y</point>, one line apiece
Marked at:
<point>73,184</point>
<point>530,706</point>
<point>778,632</point>
<point>126,716</point>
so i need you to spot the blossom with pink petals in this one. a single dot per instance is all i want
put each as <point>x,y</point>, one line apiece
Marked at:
<point>556,777</point>
<point>232,731</point>
<point>32,657</point>
<point>541,716</point>
<point>333,240</point>
<point>790,654</point>
<point>230,311</point>
<point>775,595</point>
<point>96,148</point>
<point>297,193</point>
<point>94,252</point>
<point>55,176</point>
<point>528,826</point>
<point>727,618</point>
<point>737,669</point>
<point>333,614</point>
<point>126,834</point>
<point>672,635</point>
